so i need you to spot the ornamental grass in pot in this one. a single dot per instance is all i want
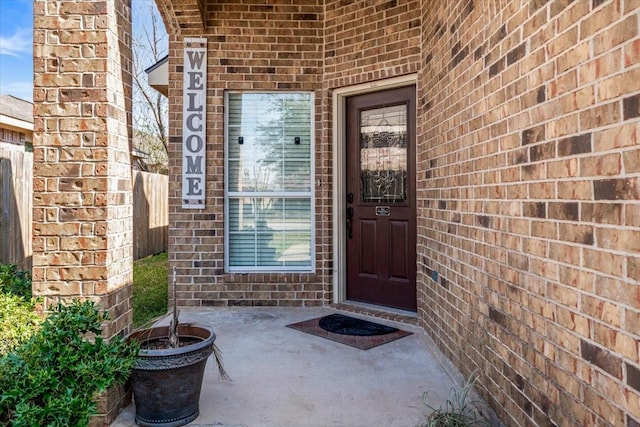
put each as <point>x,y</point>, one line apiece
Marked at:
<point>168,372</point>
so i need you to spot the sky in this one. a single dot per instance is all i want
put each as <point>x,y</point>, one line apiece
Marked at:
<point>16,45</point>
<point>16,48</point>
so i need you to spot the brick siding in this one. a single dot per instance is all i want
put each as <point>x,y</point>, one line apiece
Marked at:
<point>275,47</point>
<point>82,202</point>
<point>528,191</point>
<point>527,180</point>
<point>279,46</point>
<point>367,41</point>
<point>82,244</point>
<point>528,176</point>
<point>251,46</point>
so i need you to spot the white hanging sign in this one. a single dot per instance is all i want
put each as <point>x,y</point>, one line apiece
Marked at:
<point>194,114</point>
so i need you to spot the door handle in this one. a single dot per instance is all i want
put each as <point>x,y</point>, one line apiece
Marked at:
<point>350,198</point>
<point>350,222</point>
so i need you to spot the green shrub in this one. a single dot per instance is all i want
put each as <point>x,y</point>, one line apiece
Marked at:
<point>15,282</point>
<point>460,409</point>
<point>18,321</point>
<point>52,379</point>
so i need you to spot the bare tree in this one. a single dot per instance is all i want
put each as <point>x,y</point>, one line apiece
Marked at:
<point>150,107</point>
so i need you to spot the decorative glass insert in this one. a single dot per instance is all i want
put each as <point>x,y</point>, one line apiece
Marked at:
<point>269,176</point>
<point>383,155</point>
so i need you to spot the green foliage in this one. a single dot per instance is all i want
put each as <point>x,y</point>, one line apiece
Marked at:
<point>15,282</point>
<point>460,410</point>
<point>52,379</point>
<point>150,288</point>
<point>18,321</point>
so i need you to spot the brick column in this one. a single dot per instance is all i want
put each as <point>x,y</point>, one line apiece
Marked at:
<point>82,199</point>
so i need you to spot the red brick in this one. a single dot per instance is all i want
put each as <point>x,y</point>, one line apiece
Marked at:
<point>631,53</point>
<point>573,57</point>
<point>632,214</point>
<point>600,19</point>
<point>616,137</point>
<point>601,165</point>
<point>631,160</point>
<point>602,66</point>
<point>619,84</point>
<point>562,42</point>
<point>603,213</point>
<point>628,241</point>
<point>619,33</point>
<point>604,262</point>
<point>601,115</point>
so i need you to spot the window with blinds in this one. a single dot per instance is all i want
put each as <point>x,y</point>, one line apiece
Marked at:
<point>269,182</point>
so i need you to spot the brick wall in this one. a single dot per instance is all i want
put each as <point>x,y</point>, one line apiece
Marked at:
<point>82,191</point>
<point>82,175</point>
<point>527,175</point>
<point>275,46</point>
<point>367,41</point>
<point>251,46</point>
<point>528,190</point>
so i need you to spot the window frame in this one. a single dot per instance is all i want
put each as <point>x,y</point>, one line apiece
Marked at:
<point>228,195</point>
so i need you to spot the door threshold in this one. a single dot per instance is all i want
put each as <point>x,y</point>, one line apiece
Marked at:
<point>378,311</point>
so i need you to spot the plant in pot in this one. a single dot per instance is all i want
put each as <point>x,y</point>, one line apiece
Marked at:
<point>168,372</point>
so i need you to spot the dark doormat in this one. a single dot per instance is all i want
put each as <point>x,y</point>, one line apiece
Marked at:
<point>354,332</point>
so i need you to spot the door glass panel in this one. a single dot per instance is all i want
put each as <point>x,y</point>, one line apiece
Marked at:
<point>383,155</point>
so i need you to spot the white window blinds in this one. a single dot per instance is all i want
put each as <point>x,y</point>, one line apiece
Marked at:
<point>269,176</point>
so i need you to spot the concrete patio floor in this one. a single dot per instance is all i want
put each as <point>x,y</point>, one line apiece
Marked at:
<point>284,377</point>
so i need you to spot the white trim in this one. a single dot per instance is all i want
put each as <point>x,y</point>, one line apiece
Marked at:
<point>339,172</point>
<point>158,76</point>
<point>16,123</point>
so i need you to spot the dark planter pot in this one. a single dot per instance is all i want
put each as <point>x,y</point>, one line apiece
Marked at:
<point>166,382</point>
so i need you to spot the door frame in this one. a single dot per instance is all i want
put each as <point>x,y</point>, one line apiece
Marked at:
<point>338,134</point>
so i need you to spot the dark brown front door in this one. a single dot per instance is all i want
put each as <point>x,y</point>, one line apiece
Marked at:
<point>381,214</point>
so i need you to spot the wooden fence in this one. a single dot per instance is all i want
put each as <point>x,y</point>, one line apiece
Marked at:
<point>150,213</point>
<point>16,189</point>
<point>150,210</point>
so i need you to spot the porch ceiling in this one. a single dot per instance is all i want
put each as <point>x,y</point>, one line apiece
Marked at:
<point>181,14</point>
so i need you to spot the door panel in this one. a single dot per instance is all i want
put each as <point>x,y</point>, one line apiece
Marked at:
<point>398,241</point>
<point>367,258</point>
<point>381,221</point>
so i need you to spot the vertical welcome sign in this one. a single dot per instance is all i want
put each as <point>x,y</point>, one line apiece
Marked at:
<point>194,114</point>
